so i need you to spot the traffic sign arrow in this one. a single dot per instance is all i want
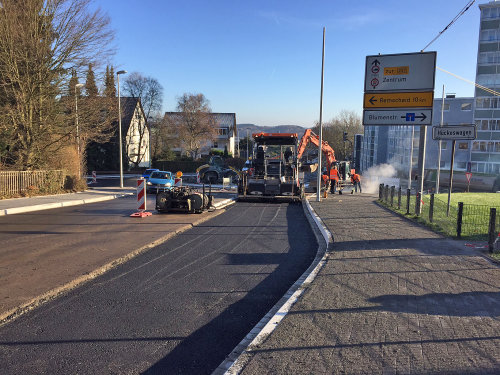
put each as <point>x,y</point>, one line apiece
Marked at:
<point>423,117</point>
<point>372,100</point>
<point>376,62</point>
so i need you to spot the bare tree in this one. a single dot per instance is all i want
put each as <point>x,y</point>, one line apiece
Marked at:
<point>41,42</point>
<point>150,92</point>
<point>194,123</point>
<point>333,132</point>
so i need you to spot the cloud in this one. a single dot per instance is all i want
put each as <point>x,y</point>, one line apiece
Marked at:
<point>350,22</point>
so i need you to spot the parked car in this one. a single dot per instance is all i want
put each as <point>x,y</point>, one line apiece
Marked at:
<point>148,172</point>
<point>159,180</point>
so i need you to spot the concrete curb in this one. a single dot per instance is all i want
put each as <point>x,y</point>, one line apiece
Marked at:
<point>242,353</point>
<point>47,206</point>
<point>50,295</point>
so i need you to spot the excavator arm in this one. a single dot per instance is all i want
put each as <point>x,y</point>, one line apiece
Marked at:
<point>310,136</point>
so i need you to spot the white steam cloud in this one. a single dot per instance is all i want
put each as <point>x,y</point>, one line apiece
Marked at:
<point>379,174</point>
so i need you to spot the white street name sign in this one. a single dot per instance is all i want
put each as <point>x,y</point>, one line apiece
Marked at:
<point>398,117</point>
<point>458,132</point>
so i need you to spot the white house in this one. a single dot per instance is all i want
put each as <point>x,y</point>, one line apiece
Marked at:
<point>226,135</point>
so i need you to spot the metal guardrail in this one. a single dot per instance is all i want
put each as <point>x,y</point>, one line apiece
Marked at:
<point>19,182</point>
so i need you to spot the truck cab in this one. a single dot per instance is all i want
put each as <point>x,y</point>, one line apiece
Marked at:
<point>274,169</point>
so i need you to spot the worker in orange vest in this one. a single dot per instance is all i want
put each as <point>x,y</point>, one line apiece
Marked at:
<point>356,181</point>
<point>325,180</point>
<point>334,179</point>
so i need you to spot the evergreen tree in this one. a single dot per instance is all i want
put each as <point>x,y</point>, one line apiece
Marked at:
<point>90,85</point>
<point>109,83</point>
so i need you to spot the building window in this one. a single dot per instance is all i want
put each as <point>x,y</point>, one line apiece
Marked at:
<point>446,107</point>
<point>463,146</point>
<point>466,106</point>
<point>444,145</point>
<point>497,146</point>
<point>442,164</point>
<point>216,145</point>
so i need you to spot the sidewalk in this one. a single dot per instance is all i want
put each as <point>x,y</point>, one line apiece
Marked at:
<point>31,204</point>
<point>392,298</point>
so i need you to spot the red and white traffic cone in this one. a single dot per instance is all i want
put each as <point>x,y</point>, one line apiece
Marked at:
<point>141,200</point>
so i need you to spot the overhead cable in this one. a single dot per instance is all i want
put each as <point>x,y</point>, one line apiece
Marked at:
<point>493,92</point>
<point>465,9</point>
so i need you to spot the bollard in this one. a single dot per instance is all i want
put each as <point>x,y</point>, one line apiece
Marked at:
<point>393,189</point>
<point>431,208</point>
<point>408,196</point>
<point>459,218</point>
<point>399,198</point>
<point>491,232</point>
<point>380,191</point>
<point>417,203</point>
<point>141,200</point>
<point>386,193</point>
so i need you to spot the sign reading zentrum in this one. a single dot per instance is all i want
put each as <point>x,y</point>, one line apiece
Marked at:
<point>399,89</point>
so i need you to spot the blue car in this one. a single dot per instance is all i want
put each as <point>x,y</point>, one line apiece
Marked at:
<point>159,180</point>
<point>148,172</point>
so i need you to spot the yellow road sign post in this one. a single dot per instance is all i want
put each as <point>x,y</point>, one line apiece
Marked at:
<point>399,100</point>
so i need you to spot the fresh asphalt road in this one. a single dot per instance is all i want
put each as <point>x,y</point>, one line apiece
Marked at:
<point>178,308</point>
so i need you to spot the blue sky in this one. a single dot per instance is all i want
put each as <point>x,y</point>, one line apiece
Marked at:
<point>262,58</point>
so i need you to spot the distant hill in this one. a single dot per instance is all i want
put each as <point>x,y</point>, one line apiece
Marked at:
<point>252,128</point>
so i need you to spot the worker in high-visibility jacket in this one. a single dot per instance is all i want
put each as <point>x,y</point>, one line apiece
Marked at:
<point>356,181</point>
<point>325,179</point>
<point>334,179</point>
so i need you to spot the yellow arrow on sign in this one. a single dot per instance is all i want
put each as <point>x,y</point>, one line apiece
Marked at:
<point>399,100</point>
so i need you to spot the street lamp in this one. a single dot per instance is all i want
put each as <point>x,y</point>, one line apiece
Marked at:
<point>77,86</point>
<point>120,126</point>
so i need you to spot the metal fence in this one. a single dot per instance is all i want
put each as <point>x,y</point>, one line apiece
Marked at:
<point>21,182</point>
<point>470,221</point>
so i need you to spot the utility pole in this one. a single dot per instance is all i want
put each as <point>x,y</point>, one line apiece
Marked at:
<point>318,189</point>
<point>439,146</point>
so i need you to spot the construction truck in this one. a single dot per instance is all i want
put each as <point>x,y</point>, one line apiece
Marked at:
<point>343,167</point>
<point>274,169</point>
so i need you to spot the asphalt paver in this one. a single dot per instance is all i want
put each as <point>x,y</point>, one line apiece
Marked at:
<point>392,298</point>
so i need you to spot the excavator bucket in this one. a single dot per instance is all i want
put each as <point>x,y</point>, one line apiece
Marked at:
<point>309,168</point>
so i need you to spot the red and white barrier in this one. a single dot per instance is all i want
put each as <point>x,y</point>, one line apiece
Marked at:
<point>141,200</point>
<point>177,182</point>
<point>198,181</point>
<point>94,177</point>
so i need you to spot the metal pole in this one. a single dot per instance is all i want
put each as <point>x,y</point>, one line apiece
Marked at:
<point>318,194</point>
<point>451,176</point>
<point>421,160</point>
<point>247,145</point>
<point>411,157</point>
<point>77,86</point>
<point>77,132</point>
<point>439,147</point>
<point>120,132</point>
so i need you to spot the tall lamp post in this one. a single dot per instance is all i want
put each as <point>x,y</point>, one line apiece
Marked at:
<point>120,126</point>
<point>77,86</point>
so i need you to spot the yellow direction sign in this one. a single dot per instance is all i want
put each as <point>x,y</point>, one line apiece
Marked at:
<point>399,100</point>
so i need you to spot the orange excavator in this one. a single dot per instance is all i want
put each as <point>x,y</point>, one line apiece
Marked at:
<point>342,166</point>
<point>310,136</point>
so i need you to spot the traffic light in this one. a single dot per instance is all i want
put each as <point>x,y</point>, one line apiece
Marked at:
<point>345,136</point>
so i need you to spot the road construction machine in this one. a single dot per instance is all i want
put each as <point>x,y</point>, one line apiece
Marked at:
<point>343,167</point>
<point>274,169</point>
